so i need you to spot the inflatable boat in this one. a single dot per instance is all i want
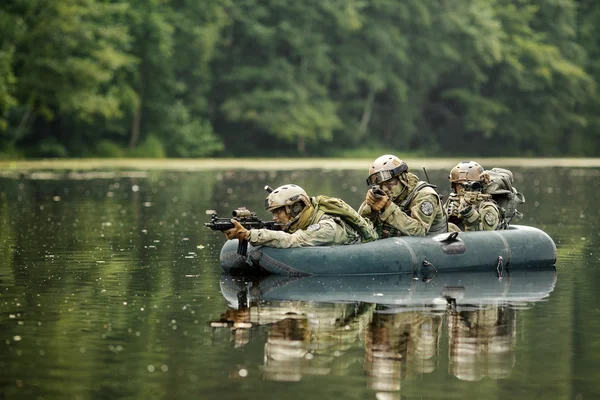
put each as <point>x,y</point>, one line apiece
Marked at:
<point>463,289</point>
<point>502,250</point>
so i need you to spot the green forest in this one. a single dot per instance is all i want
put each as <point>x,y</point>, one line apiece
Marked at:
<point>246,78</point>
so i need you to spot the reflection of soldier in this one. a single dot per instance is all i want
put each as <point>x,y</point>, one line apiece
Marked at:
<point>482,343</point>
<point>287,354</point>
<point>467,206</point>
<point>400,346</point>
<point>238,320</point>
<point>304,338</point>
<point>400,204</point>
<point>312,339</point>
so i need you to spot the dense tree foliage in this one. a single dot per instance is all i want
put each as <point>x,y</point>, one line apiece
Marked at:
<point>183,78</point>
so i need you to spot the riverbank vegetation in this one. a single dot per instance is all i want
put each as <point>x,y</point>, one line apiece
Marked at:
<point>212,78</point>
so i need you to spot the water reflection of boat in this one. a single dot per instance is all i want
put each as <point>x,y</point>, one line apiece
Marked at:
<point>314,323</point>
<point>461,288</point>
<point>517,247</point>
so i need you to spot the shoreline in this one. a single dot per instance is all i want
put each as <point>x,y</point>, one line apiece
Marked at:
<point>279,164</point>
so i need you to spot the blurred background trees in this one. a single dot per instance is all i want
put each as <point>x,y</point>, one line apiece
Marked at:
<point>185,78</point>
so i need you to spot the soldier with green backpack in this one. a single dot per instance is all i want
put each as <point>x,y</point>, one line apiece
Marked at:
<point>482,200</point>
<point>499,185</point>
<point>304,221</point>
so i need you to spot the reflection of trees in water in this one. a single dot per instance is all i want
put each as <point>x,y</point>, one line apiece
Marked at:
<point>481,343</point>
<point>306,338</point>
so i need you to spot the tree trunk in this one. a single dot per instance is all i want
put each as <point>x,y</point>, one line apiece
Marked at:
<point>301,146</point>
<point>135,128</point>
<point>137,118</point>
<point>367,111</point>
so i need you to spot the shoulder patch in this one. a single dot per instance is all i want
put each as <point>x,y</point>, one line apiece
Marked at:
<point>490,219</point>
<point>427,208</point>
<point>314,227</point>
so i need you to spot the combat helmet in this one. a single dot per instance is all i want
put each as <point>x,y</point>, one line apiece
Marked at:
<point>290,196</point>
<point>385,168</point>
<point>467,173</point>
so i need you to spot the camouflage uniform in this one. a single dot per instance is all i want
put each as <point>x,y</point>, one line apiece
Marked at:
<point>469,206</point>
<point>484,216</point>
<point>415,218</point>
<point>324,231</point>
<point>316,221</point>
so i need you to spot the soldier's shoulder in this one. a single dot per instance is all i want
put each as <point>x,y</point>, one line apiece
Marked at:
<point>489,205</point>
<point>314,227</point>
<point>491,218</point>
<point>426,192</point>
<point>326,222</point>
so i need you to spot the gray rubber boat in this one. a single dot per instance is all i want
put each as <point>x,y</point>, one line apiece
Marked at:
<point>518,247</point>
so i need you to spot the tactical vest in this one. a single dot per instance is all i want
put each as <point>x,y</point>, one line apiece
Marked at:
<point>439,227</point>
<point>339,208</point>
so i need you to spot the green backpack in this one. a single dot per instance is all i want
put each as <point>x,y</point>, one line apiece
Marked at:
<point>504,194</point>
<point>339,208</point>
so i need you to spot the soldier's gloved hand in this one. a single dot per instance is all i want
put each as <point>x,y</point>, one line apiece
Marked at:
<point>469,213</point>
<point>464,207</point>
<point>237,232</point>
<point>471,197</point>
<point>453,209</point>
<point>377,202</point>
<point>453,205</point>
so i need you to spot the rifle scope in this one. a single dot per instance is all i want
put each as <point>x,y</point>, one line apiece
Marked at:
<point>242,213</point>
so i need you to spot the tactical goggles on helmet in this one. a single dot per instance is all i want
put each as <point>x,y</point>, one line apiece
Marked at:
<point>473,186</point>
<point>381,176</point>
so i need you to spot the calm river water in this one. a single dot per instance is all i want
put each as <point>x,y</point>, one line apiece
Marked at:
<point>110,288</point>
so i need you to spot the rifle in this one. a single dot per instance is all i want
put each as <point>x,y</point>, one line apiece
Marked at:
<point>471,198</point>
<point>246,218</point>
<point>377,191</point>
<point>476,197</point>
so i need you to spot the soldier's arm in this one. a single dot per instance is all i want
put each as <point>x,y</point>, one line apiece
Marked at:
<point>471,219</point>
<point>489,216</point>
<point>452,206</point>
<point>366,212</point>
<point>425,207</point>
<point>323,233</point>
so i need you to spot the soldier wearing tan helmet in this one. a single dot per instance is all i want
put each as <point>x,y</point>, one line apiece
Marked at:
<point>305,221</point>
<point>399,204</point>
<point>468,206</point>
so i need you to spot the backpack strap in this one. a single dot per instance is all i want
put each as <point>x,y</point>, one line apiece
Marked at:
<point>405,204</point>
<point>441,226</point>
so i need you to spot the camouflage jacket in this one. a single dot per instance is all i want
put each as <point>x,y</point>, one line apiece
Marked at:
<point>414,217</point>
<point>484,216</point>
<point>326,231</point>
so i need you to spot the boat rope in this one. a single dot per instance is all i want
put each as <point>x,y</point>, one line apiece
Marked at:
<point>500,267</point>
<point>435,271</point>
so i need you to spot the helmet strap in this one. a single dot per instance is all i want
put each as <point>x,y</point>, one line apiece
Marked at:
<point>395,196</point>
<point>403,183</point>
<point>409,181</point>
